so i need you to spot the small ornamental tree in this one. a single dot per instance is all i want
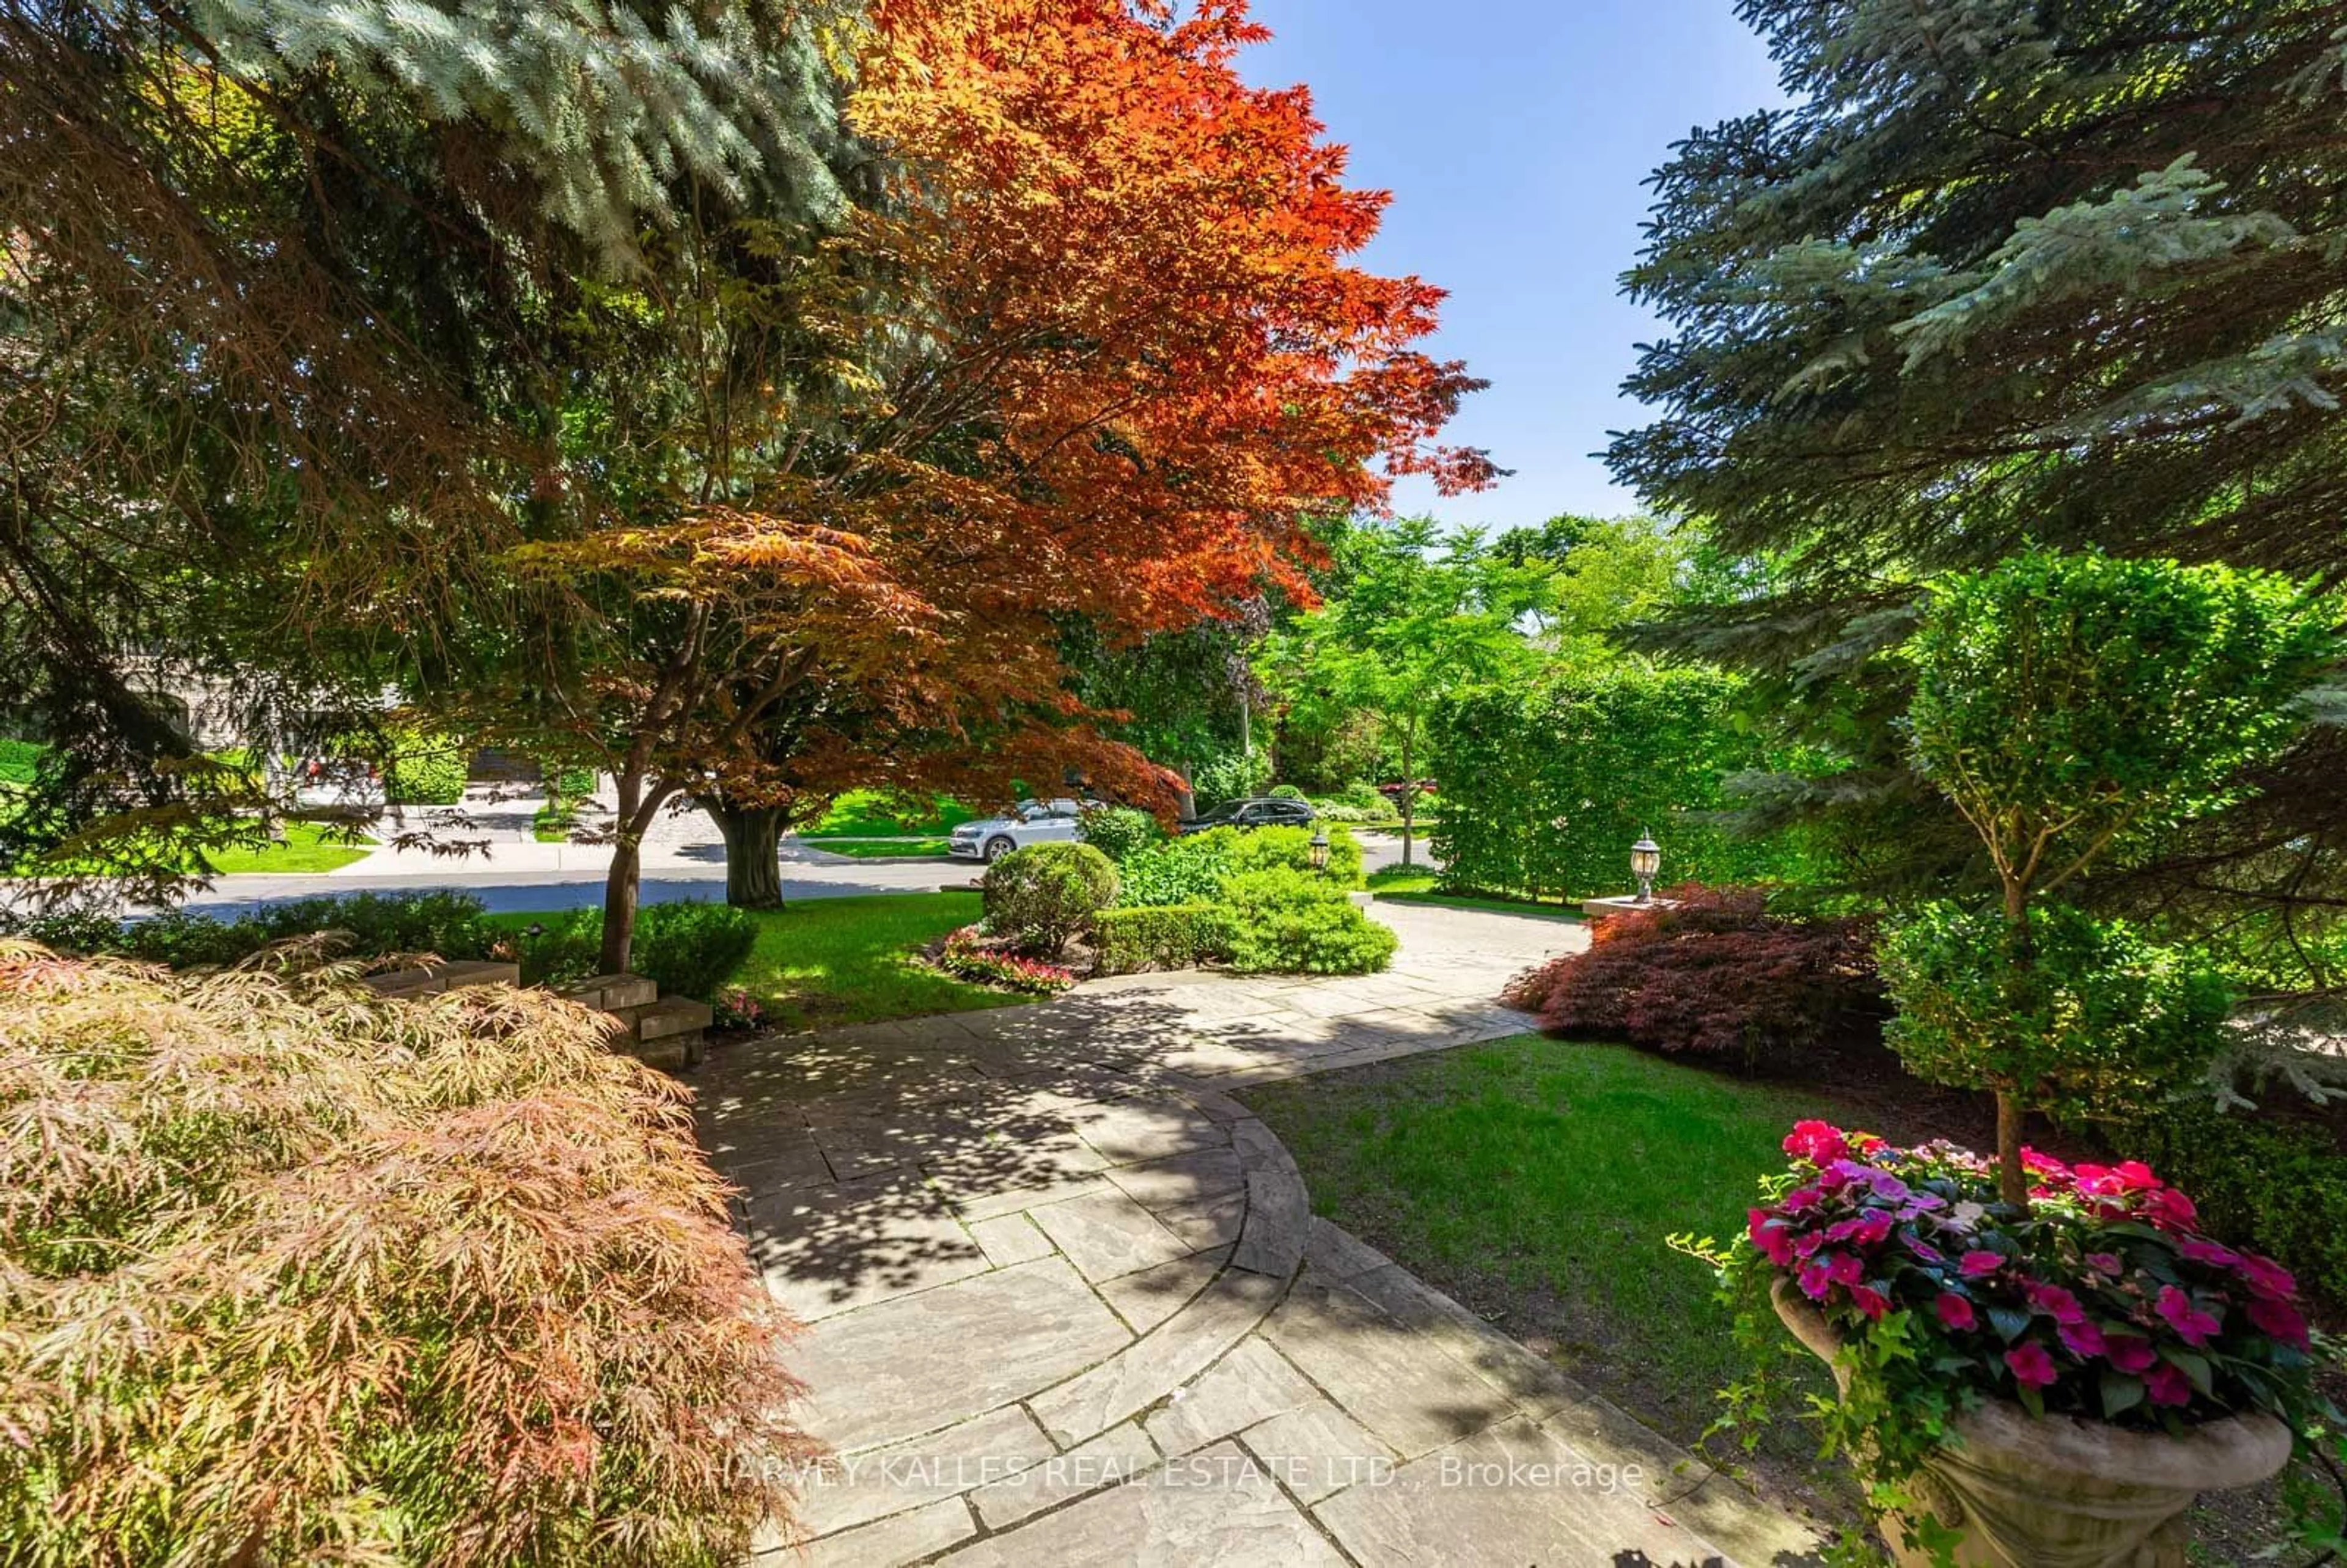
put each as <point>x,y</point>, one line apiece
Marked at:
<point>2074,708</point>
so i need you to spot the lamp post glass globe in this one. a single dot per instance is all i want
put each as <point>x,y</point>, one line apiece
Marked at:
<point>1646,860</point>
<point>1319,849</point>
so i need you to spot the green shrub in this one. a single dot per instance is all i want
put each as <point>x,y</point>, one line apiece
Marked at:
<point>1118,831</point>
<point>1264,848</point>
<point>1285,792</point>
<point>1363,795</point>
<point>425,770</point>
<point>20,761</point>
<point>1338,810</point>
<point>2100,1022</point>
<point>2274,1186</point>
<point>1191,869</point>
<point>1160,936</point>
<point>443,1280</point>
<point>688,950</point>
<point>569,782</point>
<point>450,925</point>
<point>1232,776</point>
<point>1291,922</point>
<point>1042,896</point>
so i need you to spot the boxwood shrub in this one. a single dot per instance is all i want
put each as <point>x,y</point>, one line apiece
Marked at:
<point>1042,896</point>
<point>1285,921</point>
<point>688,950</point>
<point>1160,936</point>
<point>448,924</point>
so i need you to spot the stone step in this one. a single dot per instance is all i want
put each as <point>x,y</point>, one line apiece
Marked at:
<point>431,980</point>
<point>671,1016</point>
<point>610,993</point>
<point>671,1054</point>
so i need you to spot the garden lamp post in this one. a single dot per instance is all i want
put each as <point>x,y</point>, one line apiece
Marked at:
<point>1319,849</point>
<point>1646,860</point>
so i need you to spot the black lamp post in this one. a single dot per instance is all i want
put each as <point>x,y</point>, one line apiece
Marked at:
<point>1319,849</point>
<point>1646,860</point>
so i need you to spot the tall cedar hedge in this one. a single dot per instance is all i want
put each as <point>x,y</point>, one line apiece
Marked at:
<point>1544,791</point>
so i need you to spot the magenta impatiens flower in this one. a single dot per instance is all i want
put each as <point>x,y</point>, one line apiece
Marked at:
<point>1979,1265</point>
<point>1818,1142</point>
<point>2279,1318</point>
<point>2032,1366</point>
<point>2106,1263</point>
<point>2130,1352</point>
<point>2055,1302</point>
<point>1954,1311</point>
<point>2209,1252</point>
<point>2082,1339</point>
<point>2267,1277</point>
<point>2192,1325</point>
<point>2168,1386</point>
<point>1771,1236</point>
<point>1868,1300</point>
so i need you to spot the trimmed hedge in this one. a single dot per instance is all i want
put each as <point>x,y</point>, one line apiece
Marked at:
<point>448,924</point>
<point>1160,936</point>
<point>1607,755</point>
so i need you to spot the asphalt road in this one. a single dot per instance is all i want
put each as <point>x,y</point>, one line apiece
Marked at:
<point>509,890</point>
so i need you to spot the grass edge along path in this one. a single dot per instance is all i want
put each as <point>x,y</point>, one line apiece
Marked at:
<point>1534,1180</point>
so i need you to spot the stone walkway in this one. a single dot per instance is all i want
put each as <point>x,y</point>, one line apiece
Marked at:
<point>1067,1304</point>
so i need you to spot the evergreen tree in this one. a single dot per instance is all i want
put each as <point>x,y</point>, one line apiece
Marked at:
<point>2008,273</point>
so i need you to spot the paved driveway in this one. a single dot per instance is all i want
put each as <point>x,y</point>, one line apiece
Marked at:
<point>1069,1307</point>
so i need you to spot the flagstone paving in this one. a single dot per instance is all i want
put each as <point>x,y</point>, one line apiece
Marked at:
<point>1067,1304</point>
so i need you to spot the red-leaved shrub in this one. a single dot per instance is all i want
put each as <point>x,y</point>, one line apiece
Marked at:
<point>1716,973</point>
<point>292,1272</point>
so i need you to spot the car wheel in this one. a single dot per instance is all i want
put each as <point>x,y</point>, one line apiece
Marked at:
<point>997,847</point>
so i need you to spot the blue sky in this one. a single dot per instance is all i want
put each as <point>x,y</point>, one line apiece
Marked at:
<point>1514,136</point>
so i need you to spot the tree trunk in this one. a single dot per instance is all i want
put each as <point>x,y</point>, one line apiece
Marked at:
<point>754,853</point>
<point>2012,1176</point>
<point>620,888</point>
<point>1409,796</point>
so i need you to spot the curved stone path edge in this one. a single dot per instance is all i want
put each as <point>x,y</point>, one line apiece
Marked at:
<point>1067,1302</point>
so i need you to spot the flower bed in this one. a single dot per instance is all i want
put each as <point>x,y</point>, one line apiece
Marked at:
<point>972,955</point>
<point>2101,1300</point>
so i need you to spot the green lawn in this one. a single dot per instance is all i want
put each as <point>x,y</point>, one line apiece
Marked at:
<point>827,961</point>
<point>882,848</point>
<point>1535,1180</point>
<point>1415,884</point>
<point>861,814</point>
<point>307,849</point>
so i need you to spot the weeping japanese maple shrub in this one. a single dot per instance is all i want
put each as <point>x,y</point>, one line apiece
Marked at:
<point>293,1273</point>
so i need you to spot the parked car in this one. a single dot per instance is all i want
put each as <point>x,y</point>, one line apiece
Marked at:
<point>1395,790</point>
<point>1029,822</point>
<point>1255,811</point>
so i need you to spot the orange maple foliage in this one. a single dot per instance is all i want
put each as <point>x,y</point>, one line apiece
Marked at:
<point>1110,353</point>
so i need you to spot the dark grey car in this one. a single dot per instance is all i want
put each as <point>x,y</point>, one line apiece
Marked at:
<point>1256,810</point>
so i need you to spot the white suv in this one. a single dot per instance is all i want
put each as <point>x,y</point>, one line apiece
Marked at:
<point>1029,822</point>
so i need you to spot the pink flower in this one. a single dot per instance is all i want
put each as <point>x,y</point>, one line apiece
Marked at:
<point>1809,1242</point>
<point>1814,1283</point>
<point>2106,1263</point>
<point>2032,1366</point>
<point>2267,1277</point>
<point>2168,1386</point>
<point>1954,1311</point>
<point>2039,1165</point>
<point>2082,1340</point>
<point>1843,1268</point>
<point>2201,1251</point>
<point>1868,1300</point>
<point>2130,1352</point>
<point>2279,1319</point>
<point>1874,1229</point>
<point>2171,1210</point>
<point>1979,1264</point>
<point>2055,1302</point>
<point>1769,1233</point>
<point>1800,1199</point>
<point>1818,1142</point>
<point>1924,1250</point>
<point>2192,1325</point>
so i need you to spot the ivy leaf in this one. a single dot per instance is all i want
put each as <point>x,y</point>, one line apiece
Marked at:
<point>2121,1393</point>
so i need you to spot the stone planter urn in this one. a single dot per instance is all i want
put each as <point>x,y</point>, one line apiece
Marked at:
<point>2062,1493</point>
